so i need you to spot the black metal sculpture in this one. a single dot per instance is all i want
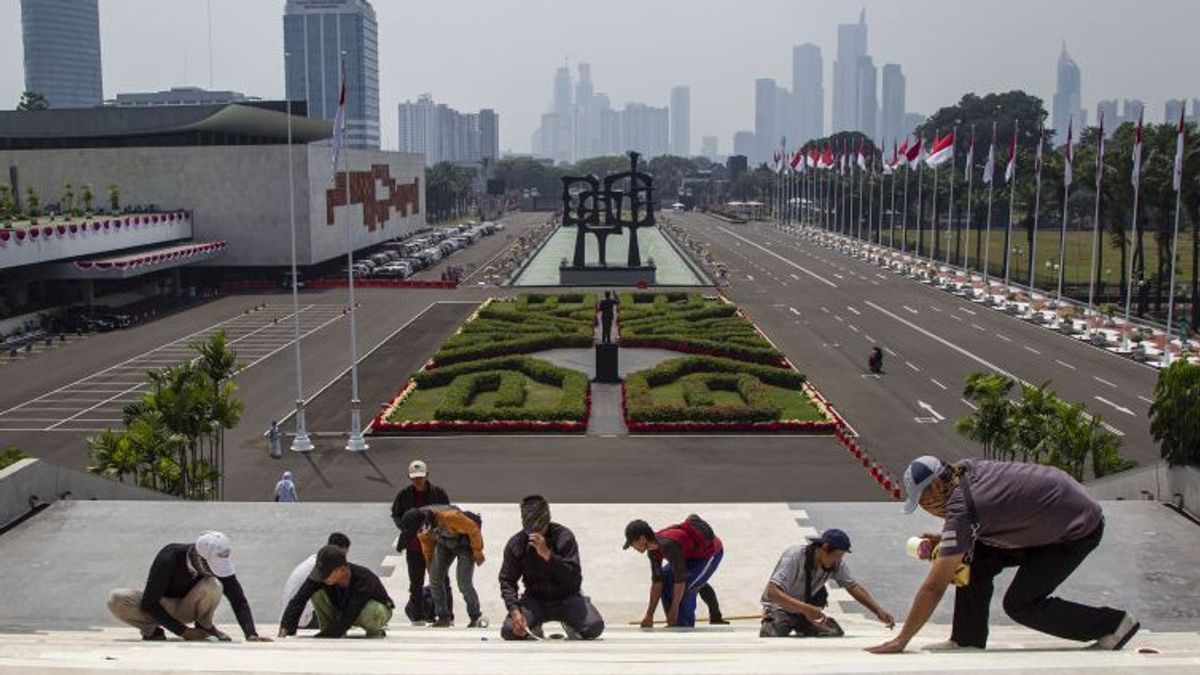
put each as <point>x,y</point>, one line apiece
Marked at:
<point>584,201</point>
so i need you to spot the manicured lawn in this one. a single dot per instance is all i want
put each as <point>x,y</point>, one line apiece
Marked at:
<point>794,405</point>
<point>422,404</point>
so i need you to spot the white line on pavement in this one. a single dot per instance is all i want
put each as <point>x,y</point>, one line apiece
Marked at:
<point>839,276</point>
<point>944,387</point>
<point>956,317</point>
<point>910,365</point>
<point>1123,409</point>
<point>970,405</point>
<point>1064,364</point>
<point>936,309</point>
<point>868,338</point>
<point>1031,349</point>
<point>1101,380</point>
<point>825,309</point>
<point>793,275</point>
<point>795,311</point>
<point>930,410</point>
<point>854,328</point>
<point>1145,400</point>
<point>854,311</point>
<point>890,352</point>
<point>839,318</point>
<point>968,311</point>
<point>749,278</point>
<point>977,326</point>
<point>1004,337</point>
<point>908,309</point>
<point>807,271</point>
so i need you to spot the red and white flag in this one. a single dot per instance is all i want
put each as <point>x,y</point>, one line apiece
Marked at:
<point>1067,158</point>
<point>798,159</point>
<point>914,154</point>
<point>862,155</point>
<point>970,156</point>
<point>1010,170</point>
<point>903,152</point>
<point>942,151</point>
<point>339,121</point>
<point>1136,176</point>
<point>890,166</point>
<point>827,160</point>
<point>989,167</point>
<point>814,157</point>
<point>1177,179</point>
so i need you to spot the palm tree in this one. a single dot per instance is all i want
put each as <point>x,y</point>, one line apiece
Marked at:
<point>1175,414</point>
<point>218,362</point>
<point>989,423</point>
<point>1034,417</point>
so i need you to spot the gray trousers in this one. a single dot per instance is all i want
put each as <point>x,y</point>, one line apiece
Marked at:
<point>198,606</point>
<point>464,574</point>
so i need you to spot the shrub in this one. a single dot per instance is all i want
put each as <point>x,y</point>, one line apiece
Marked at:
<point>492,377</point>
<point>511,392</point>
<point>702,375</point>
<point>696,393</point>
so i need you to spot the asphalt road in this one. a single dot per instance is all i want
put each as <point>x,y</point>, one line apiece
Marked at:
<point>826,309</point>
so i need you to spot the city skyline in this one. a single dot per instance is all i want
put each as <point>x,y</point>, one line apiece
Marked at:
<point>248,53</point>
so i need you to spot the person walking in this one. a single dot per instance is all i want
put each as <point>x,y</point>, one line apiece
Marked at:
<point>302,572</point>
<point>285,489</point>
<point>545,555</point>
<point>343,595</point>
<point>1007,514</point>
<point>795,598</point>
<point>692,553</point>
<point>185,585</point>
<point>275,440</point>
<point>448,535</point>
<point>419,492</point>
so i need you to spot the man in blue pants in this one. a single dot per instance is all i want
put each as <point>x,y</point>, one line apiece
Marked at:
<point>691,553</point>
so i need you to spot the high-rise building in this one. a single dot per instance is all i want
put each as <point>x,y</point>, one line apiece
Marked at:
<point>645,129</point>
<point>745,144</point>
<point>708,148</point>
<point>910,124</point>
<point>1173,108</point>
<point>1107,110</point>
<point>489,134</point>
<point>178,96</point>
<point>610,127</point>
<point>809,91</point>
<point>1068,101</point>
<point>868,106</point>
<point>317,35</point>
<point>681,121</point>
<point>62,51</point>
<point>851,46</point>
<point>587,116</point>
<point>443,134</point>
<point>891,118</point>
<point>766,121</point>
<point>1131,110</point>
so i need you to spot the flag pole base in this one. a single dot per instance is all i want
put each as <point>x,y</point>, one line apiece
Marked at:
<point>356,443</point>
<point>301,443</point>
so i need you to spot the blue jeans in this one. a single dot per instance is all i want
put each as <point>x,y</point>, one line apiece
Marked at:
<point>699,572</point>
<point>464,574</point>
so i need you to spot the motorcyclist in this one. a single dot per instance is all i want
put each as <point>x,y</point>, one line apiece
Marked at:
<point>875,360</point>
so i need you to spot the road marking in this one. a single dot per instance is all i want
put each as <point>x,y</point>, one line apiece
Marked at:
<point>1145,400</point>
<point>749,278</point>
<point>855,311</point>
<point>956,317</point>
<point>825,309</point>
<point>839,318</point>
<point>936,309</point>
<point>944,387</point>
<point>1064,364</point>
<point>908,309</point>
<point>793,275</point>
<point>854,328</point>
<point>881,276</point>
<point>910,365</point>
<point>968,311</point>
<point>1031,349</point>
<point>795,311</point>
<point>1123,409</point>
<point>1003,337</point>
<point>928,408</point>
<point>868,338</point>
<point>889,351</point>
<point>1101,380</point>
<point>839,276</point>
<point>770,252</point>
<point>977,326</point>
<point>970,405</point>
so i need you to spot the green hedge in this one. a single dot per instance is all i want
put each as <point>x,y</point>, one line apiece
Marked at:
<point>669,371</point>
<point>702,375</point>
<point>697,393</point>
<point>707,325</point>
<point>572,405</point>
<point>529,323</point>
<point>511,392</point>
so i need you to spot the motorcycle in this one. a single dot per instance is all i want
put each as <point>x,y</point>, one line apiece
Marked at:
<point>875,362</point>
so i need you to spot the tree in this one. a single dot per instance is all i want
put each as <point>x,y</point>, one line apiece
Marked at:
<point>1075,437</point>
<point>7,204</point>
<point>33,204</point>
<point>114,198</point>
<point>31,100</point>
<point>68,199</point>
<point>668,172</point>
<point>88,196</point>
<point>601,166</point>
<point>1175,414</point>
<point>1032,422</point>
<point>448,188</point>
<point>989,424</point>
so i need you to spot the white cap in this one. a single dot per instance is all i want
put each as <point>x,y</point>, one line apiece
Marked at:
<point>920,474</point>
<point>215,548</point>
<point>417,469</point>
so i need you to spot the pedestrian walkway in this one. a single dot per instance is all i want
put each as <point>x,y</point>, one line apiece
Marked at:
<point>607,418</point>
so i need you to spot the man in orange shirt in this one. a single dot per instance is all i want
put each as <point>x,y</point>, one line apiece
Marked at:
<point>448,534</point>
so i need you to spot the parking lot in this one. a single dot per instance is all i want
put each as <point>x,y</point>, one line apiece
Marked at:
<point>406,258</point>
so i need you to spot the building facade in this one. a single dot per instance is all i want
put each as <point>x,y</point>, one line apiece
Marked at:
<point>645,129</point>
<point>1107,111</point>
<point>891,118</point>
<point>708,148</point>
<point>809,91</point>
<point>316,36</point>
<point>745,144</point>
<point>868,107</point>
<point>178,96</point>
<point>62,51</point>
<point>766,120</point>
<point>1068,97</point>
<point>851,46</point>
<point>681,121</point>
<point>443,134</point>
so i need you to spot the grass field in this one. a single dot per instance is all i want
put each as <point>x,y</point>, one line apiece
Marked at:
<point>421,404</point>
<point>794,405</point>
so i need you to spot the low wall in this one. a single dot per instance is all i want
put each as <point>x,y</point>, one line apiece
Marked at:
<point>32,481</point>
<point>1160,481</point>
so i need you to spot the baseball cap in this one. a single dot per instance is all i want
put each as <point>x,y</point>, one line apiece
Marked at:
<point>215,547</point>
<point>920,473</point>
<point>636,529</point>
<point>329,558</point>
<point>834,539</point>
<point>417,469</point>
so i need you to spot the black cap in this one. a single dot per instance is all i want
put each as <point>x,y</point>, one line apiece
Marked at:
<point>834,538</point>
<point>637,529</point>
<point>329,558</point>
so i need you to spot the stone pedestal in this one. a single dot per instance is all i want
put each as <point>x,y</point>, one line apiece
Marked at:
<point>606,363</point>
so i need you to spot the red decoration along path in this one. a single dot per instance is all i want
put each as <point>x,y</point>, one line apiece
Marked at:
<point>153,257</point>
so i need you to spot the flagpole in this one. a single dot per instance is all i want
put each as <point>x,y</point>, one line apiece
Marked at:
<point>950,231</point>
<point>904,216</point>
<point>987,242</point>
<point>879,218</point>
<point>892,218</point>
<point>355,443</point>
<point>933,214</point>
<point>871,200</point>
<point>1037,211</point>
<point>1178,176</point>
<point>1012,201</point>
<point>920,202</point>
<point>1137,189</point>
<point>301,442</point>
<point>966,251</point>
<point>1062,237</point>
<point>1096,217</point>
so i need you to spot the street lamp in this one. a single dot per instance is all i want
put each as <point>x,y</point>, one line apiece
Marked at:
<point>301,442</point>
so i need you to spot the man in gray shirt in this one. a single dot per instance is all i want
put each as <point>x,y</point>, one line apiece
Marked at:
<point>795,597</point>
<point>1008,514</point>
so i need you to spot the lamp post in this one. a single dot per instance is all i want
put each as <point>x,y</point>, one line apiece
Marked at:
<point>355,443</point>
<point>301,442</point>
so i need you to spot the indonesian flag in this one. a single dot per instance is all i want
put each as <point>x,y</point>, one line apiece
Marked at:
<point>1177,181</point>
<point>827,158</point>
<point>914,154</point>
<point>798,159</point>
<point>339,121</point>
<point>1067,159</point>
<point>1010,171</point>
<point>903,152</point>
<point>845,160</point>
<point>814,157</point>
<point>862,155</point>
<point>970,156</point>
<point>1136,176</point>
<point>989,168</point>
<point>942,151</point>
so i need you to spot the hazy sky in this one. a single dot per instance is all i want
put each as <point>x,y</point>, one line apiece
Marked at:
<point>502,53</point>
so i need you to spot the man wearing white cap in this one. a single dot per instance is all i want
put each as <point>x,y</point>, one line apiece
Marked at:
<point>420,493</point>
<point>184,586</point>
<point>1007,514</point>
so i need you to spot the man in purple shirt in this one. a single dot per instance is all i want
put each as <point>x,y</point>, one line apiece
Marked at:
<point>1007,514</point>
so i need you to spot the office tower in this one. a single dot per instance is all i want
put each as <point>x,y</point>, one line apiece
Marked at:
<point>681,121</point>
<point>1068,103</point>
<point>766,126</point>
<point>62,51</point>
<point>489,135</point>
<point>443,134</point>
<point>418,127</point>
<point>745,144</point>
<point>708,147</point>
<point>1172,110</point>
<point>316,36</point>
<point>1112,118</point>
<point>564,127</point>
<point>610,127</point>
<point>868,106</point>
<point>852,45</point>
<point>1131,110</point>
<point>910,124</point>
<point>587,116</point>
<point>893,102</point>
<point>809,91</point>
<point>645,129</point>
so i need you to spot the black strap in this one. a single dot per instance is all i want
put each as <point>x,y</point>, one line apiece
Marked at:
<point>964,479</point>
<point>820,598</point>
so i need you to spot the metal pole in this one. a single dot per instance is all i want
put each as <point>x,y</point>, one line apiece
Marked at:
<point>950,201</point>
<point>966,254</point>
<point>892,215</point>
<point>1137,190</point>
<point>1096,216</point>
<point>1037,208</point>
<point>904,217</point>
<point>987,242</point>
<point>301,442</point>
<point>1062,244</point>
<point>920,203</point>
<point>1012,201</point>
<point>355,443</point>
<point>1171,294</point>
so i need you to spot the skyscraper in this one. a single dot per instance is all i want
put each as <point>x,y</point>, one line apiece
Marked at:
<point>316,33</point>
<point>868,106</point>
<point>852,45</point>
<point>1172,110</point>
<point>892,113</point>
<point>489,134</point>
<point>587,116</point>
<point>1131,110</point>
<point>708,147</point>
<point>745,144</point>
<point>443,134</point>
<point>681,121</point>
<point>645,129</point>
<point>1108,111</point>
<point>62,51</point>
<point>766,123</point>
<point>1068,103</point>
<point>809,91</point>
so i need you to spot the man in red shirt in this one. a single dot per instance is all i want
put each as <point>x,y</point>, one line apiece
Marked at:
<point>692,553</point>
